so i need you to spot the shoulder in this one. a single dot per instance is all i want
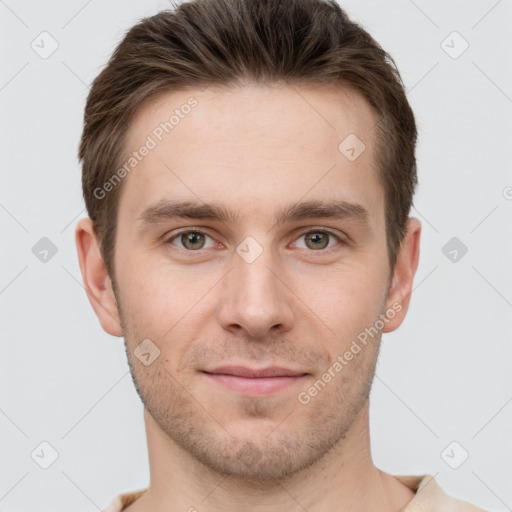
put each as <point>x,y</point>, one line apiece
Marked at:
<point>121,501</point>
<point>429,496</point>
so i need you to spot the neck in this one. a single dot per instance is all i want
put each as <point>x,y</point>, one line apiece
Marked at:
<point>344,479</point>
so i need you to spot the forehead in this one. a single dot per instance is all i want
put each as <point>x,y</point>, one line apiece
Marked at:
<point>251,143</point>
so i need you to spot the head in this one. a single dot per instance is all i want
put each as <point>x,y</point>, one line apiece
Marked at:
<point>248,170</point>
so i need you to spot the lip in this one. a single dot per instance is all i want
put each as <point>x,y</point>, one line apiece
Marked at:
<point>255,382</point>
<point>243,371</point>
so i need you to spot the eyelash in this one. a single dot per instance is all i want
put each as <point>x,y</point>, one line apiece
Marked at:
<point>340,240</point>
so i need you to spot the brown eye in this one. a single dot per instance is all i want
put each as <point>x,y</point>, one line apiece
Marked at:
<point>191,240</point>
<point>318,240</point>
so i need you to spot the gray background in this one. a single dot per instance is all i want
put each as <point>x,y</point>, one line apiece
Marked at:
<point>444,376</point>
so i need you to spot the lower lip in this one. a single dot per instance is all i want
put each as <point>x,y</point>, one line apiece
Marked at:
<point>255,386</point>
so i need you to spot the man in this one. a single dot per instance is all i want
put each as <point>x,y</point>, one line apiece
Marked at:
<point>248,169</point>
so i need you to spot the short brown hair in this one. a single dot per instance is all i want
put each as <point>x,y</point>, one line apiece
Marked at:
<point>228,42</point>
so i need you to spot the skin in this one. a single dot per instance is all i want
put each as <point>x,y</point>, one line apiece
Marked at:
<point>299,304</point>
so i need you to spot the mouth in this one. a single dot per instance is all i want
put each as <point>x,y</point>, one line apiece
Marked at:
<point>255,382</point>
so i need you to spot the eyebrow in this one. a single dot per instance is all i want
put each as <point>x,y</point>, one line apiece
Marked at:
<point>165,210</point>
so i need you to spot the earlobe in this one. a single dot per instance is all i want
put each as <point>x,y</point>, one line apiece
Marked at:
<point>405,268</point>
<point>96,279</point>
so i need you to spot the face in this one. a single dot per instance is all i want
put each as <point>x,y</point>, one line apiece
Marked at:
<point>248,241</point>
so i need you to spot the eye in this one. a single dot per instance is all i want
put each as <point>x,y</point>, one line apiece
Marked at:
<point>192,240</point>
<point>319,239</point>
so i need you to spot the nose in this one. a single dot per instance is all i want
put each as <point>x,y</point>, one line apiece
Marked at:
<point>256,300</point>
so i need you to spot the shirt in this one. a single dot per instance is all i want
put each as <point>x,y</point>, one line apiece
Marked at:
<point>429,497</point>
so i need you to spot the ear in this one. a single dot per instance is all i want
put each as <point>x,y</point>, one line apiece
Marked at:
<point>400,289</point>
<point>96,279</point>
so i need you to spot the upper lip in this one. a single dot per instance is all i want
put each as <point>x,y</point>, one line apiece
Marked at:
<point>242,371</point>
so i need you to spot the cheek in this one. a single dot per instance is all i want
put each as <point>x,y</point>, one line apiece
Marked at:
<point>346,298</point>
<point>145,306</point>
<point>164,305</point>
